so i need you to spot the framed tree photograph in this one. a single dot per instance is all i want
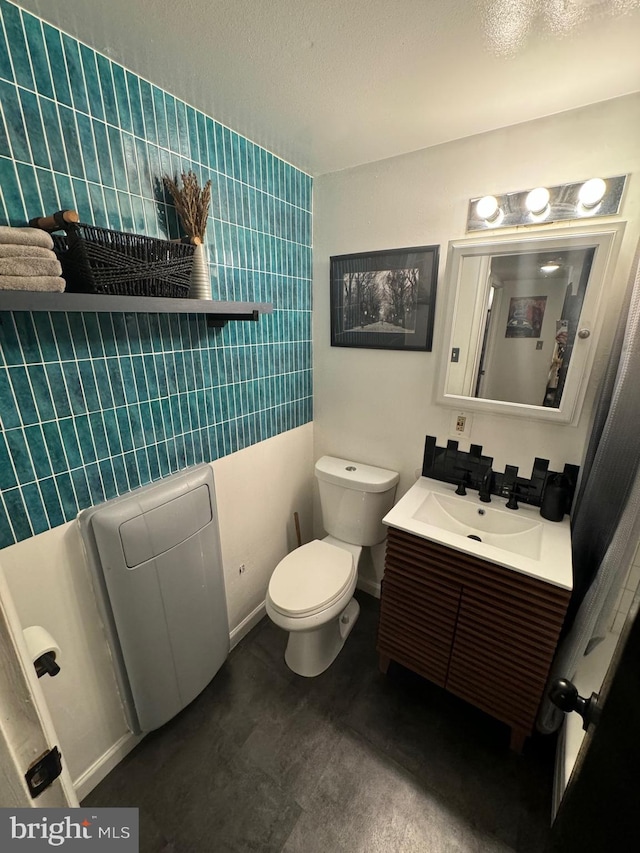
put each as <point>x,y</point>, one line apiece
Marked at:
<point>384,299</point>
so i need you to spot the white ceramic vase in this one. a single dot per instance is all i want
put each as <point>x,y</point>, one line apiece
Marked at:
<point>200,278</point>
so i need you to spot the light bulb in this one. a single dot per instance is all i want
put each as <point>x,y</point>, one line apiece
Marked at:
<point>537,200</point>
<point>487,208</point>
<point>592,192</point>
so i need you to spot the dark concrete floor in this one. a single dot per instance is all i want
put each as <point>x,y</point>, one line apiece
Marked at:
<point>264,760</point>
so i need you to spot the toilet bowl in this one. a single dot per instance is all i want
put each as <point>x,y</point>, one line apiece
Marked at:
<point>310,593</point>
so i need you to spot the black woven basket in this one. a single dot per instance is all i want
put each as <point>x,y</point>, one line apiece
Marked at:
<point>99,260</point>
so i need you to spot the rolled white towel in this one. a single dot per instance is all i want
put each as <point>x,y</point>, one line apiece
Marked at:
<point>25,237</point>
<point>30,266</point>
<point>9,251</point>
<point>32,282</point>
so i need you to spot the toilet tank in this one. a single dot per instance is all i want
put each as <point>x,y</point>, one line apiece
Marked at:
<point>355,498</point>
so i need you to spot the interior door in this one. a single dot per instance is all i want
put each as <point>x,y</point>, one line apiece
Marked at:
<point>598,811</point>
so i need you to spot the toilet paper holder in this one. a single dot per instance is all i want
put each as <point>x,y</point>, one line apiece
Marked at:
<point>46,665</point>
<point>43,650</point>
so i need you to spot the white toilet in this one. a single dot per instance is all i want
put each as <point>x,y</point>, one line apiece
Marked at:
<point>311,590</point>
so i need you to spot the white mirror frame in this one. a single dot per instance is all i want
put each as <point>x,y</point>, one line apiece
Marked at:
<point>606,239</point>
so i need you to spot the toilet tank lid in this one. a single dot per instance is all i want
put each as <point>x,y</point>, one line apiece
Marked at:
<point>355,475</point>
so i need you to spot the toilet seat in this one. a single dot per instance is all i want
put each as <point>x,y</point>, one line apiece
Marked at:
<point>310,579</point>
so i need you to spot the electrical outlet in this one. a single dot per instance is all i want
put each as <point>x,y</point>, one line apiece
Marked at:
<point>461,425</point>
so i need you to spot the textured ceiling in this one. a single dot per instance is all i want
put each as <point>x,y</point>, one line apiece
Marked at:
<point>335,83</point>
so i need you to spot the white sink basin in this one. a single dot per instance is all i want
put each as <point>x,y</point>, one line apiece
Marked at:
<point>502,528</point>
<point>518,539</point>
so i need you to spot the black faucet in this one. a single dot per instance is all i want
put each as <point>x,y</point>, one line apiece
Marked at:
<point>484,492</point>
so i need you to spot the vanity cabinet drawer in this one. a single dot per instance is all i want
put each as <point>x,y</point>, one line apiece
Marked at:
<point>484,632</point>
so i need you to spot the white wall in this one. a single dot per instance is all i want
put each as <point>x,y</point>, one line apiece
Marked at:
<point>258,490</point>
<point>376,406</point>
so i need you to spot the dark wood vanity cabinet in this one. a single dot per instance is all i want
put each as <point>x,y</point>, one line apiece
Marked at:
<point>483,632</point>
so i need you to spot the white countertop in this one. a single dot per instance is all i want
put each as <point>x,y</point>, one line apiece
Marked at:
<point>554,561</point>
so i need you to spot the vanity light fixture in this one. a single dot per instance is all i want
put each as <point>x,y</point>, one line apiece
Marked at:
<point>592,192</point>
<point>579,200</point>
<point>537,201</point>
<point>487,208</point>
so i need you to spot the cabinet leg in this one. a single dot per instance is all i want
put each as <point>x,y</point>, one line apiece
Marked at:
<point>383,663</point>
<point>518,737</point>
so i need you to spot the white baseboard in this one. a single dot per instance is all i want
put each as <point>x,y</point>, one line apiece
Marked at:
<point>372,587</point>
<point>246,625</point>
<point>87,781</point>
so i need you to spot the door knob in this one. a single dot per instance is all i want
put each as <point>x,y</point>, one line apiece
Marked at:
<point>564,695</point>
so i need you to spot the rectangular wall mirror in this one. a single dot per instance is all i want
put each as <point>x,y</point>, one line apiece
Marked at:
<point>523,316</point>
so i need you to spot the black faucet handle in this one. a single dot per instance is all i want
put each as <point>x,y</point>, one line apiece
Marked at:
<point>464,481</point>
<point>516,489</point>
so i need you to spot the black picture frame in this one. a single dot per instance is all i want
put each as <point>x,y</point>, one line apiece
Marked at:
<point>384,299</point>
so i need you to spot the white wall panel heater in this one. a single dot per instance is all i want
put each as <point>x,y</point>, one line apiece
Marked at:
<point>156,566</point>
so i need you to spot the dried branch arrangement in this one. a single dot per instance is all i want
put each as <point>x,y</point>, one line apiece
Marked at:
<point>192,203</point>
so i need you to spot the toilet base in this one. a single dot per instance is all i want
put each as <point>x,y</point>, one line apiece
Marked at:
<point>309,653</point>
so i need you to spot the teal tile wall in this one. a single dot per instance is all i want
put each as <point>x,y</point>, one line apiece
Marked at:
<point>93,405</point>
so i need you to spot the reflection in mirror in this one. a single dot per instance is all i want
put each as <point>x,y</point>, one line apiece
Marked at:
<point>523,314</point>
<point>530,324</point>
